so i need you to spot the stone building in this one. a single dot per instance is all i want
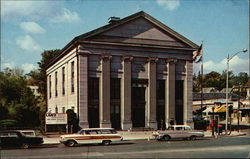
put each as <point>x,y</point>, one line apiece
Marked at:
<point>132,72</point>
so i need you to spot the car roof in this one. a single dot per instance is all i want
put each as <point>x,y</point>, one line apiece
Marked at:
<point>98,129</point>
<point>179,125</point>
<point>26,130</point>
<point>9,131</point>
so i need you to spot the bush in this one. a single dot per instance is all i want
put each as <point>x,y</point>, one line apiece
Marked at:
<point>7,124</point>
<point>201,124</point>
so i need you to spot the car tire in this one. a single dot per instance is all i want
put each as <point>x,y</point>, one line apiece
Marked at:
<point>25,145</point>
<point>106,142</point>
<point>192,138</point>
<point>71,143</point>
<point>166,138</point>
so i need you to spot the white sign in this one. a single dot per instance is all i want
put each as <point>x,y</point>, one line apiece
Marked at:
<point>56,118</point>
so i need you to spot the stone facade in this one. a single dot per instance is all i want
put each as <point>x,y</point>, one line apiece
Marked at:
<point>138,52</point>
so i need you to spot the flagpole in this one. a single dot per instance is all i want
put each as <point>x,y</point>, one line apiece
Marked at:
<point>202,79</point>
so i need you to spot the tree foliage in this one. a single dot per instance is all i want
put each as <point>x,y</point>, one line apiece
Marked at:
<point>217,80</point>
<point>18,106</point>
<point>38,78</point>
<point>17,102</point>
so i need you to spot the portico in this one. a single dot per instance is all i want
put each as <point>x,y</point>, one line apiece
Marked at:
<point>133,72</point>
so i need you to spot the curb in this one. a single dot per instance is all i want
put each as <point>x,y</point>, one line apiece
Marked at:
<point>150,138</point>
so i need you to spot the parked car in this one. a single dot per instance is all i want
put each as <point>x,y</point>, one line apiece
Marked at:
<point>91,136</point>
<point>178,132</point>
<point>14,138</point>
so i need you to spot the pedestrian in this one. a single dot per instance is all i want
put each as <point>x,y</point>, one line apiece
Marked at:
<point>219,129</point>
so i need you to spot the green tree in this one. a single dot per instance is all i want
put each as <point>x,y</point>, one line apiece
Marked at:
<point>241,79</point>
<point>212,79</point>
<point>17,102</point>
<point>38,78</point>
<point>217,80</point>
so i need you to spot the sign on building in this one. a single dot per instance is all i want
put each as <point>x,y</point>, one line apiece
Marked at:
<point>56,118</point>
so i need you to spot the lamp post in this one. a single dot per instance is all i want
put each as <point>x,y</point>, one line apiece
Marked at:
<point>228,59</point>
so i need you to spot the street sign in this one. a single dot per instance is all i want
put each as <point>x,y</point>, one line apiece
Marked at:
<point>56,118</point>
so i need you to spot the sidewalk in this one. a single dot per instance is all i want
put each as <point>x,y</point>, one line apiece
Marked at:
<point>137,135</point>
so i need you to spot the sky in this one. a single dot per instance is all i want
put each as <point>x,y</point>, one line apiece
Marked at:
<point>30,27</point>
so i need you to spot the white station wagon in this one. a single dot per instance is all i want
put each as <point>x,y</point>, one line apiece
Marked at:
<point>178,132</point>
<point>91,136</point>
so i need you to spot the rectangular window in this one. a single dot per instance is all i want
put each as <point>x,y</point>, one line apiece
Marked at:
<point>56,109</point>
<point>72,76</point>
<point>63,81</point>
<point>50,86</point>
<point>56,84</point>
<point>115,88</point>
<point>160,89</point>
<point>63,109</point>
<point>93,88</point>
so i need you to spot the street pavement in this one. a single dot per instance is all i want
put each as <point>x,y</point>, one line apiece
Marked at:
<point>140,135</point>
<point>221,147</point>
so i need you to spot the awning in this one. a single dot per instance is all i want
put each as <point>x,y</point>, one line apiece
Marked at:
<point>207,110</point>
<point>220,109</point>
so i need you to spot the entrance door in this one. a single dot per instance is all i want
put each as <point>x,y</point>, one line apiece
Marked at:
<point>115,116</point>
<point>93,115</point>
<point>160,109</point>
<point>138,106</point>
<point>179,102</point>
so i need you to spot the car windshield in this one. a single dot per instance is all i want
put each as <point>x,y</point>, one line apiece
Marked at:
<point>80,132</point>
<point>109,131</point>
<point>28,133</point>
<point>170,128</point>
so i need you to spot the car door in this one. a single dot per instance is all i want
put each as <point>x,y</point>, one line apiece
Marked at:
<point>5,139</point>
<point>94,137</point>
<point>14,139</point>
<point>178,132</point>
<point>187,132</point>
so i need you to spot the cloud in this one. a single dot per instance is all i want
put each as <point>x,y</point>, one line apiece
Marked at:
<point>52,11</point>
<point>169,4</point>
<point>27,67</point>
<point>236,65</point>
<point>28,43</point>
<point>32,27</point>
<point>66,16</point>
<point>12,10</point>
<point>9,64</point>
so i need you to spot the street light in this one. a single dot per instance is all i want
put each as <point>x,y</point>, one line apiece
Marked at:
<point>228,59</point>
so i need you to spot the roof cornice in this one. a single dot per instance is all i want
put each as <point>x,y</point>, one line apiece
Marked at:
<point>74,42</point>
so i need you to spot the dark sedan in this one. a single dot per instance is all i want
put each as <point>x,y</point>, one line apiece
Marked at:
<point>12,138</point>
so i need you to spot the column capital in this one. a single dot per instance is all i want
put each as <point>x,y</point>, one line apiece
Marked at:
<point>105,57</point>
<point>153,59</point>
<point>172,60</point>
<point>127,58</point>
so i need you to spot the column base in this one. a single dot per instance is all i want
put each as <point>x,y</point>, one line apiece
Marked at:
<point>105,124</point>
<point>170,122</point>
<point>190,123</point>
<point>152,124</point>
<point>84,124</point>
<point>126,125</point>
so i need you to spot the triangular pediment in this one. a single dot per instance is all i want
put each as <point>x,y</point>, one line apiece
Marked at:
<point>140,26</point>
<point>139,29</point>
